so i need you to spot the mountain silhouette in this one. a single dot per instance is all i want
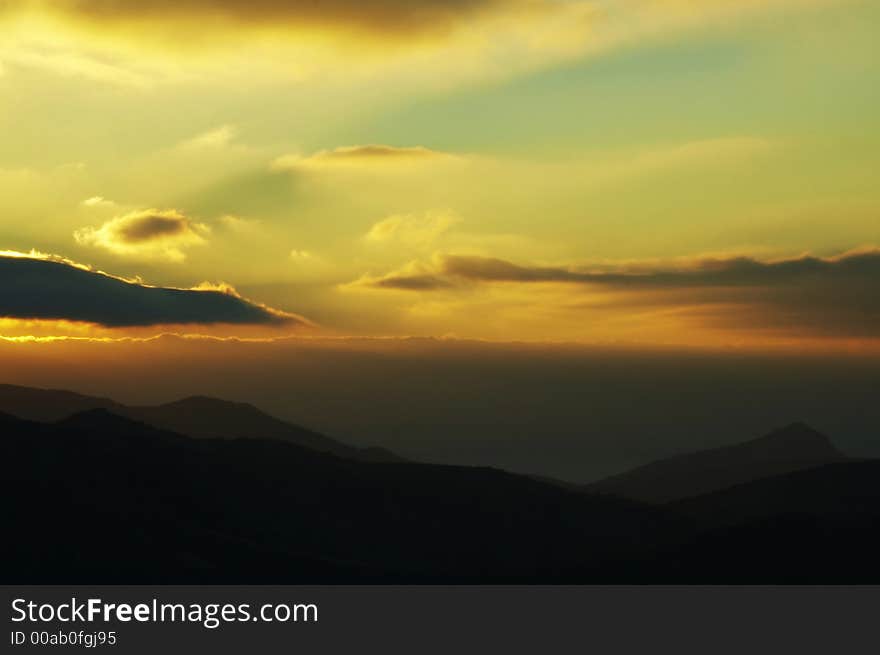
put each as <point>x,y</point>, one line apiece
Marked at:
<point>203,417</point>
<point>848,488</point>
<point>196,416</point>
<point>794,447</point>
<point>814,526</point>
<point>47,405</point>
<point>98,497</point>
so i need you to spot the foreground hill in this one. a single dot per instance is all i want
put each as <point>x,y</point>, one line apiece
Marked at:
<point>791,448</point>
<point>843,489</point>
<point>99,498</point>
<point>817,526</point>
<point>197,416</point>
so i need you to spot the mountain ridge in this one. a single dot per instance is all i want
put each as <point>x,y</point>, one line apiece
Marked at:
<point>194,416</point>
<point>96,497</point>
<point>266,511</point>
<point>795,446</point>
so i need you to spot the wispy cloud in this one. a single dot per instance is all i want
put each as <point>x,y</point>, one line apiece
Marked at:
<point>373,155</point>
<point>98,201</point>
<point>238,224</point>
<point>412,230</point>
<point>211,140</point>
<point>71,63</point>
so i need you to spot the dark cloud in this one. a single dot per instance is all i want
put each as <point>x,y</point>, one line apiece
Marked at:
<point>56,290</point>
<point>738,271</point>
<point>150,232</point>
<point>498,270</point>
<point>412,282</point>
<point>151,227</point>
<point>835,296</point>
<point>383,16</point>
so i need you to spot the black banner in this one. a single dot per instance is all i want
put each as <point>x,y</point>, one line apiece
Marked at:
<point>428,619</point>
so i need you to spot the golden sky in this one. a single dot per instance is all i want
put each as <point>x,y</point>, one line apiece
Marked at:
<point>599,171</point>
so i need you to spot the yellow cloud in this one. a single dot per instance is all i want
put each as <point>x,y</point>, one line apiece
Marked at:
<point>706,151</point>
<point>400,18</point>
<point>74,63</point>
<point>428,44</point>
<point>98,201</point>
<point>413,276</point>
<point>149,233</point>
<point>211,140</point>
<point>238,225</point>
<point>410,230</point>
<point>371,155</point>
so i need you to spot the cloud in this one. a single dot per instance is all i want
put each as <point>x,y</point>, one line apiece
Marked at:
<point>499,270</point>
<point>415,276</point>
<point>42,287</point>
<point>448,271</point>
<point>151,233</point>
<point>422,282</point>
<point>410,230</point>
<point>404,18</point>
<point>211,140</point>
<point>237,224</point>
<point>827,296</point>
<point>411,282</point>
<point>68,63</point>
<point>698,272</point>
<point>434,45</point>
<point>715,272</point>
<point>700,153</point>
<point>361,156</point>
<point>98,201</point>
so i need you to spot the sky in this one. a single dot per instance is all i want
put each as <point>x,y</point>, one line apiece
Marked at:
<point>354,213</point>
<point>590,171</point>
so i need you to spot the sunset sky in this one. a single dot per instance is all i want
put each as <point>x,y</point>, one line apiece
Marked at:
<point>646,172</point>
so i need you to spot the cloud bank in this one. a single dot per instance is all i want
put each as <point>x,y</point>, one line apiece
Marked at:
<point>43,288</point>
<point>827,296</point>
